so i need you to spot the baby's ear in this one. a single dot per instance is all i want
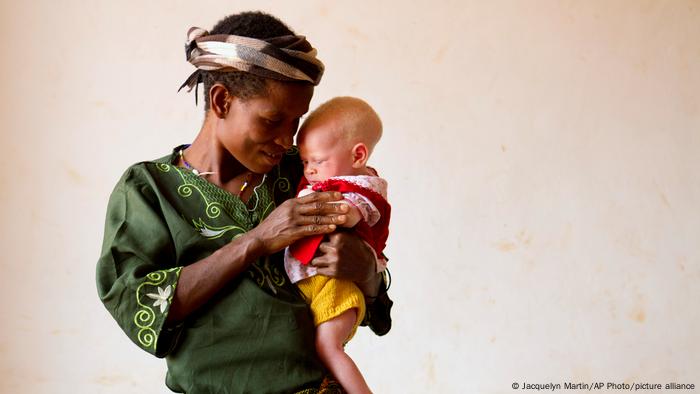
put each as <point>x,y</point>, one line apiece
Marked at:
<point>360,155</point>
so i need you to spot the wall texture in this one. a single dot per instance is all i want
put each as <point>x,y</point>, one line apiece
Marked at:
<point>543,163</point>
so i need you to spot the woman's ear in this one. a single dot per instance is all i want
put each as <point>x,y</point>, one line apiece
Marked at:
<point>360,155</point>
<point>219,100</point>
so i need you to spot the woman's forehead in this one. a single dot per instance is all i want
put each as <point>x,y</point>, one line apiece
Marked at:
<point>286,98</point>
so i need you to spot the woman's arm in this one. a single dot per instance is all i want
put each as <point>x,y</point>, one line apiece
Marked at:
<point>294,219</point>
<point>345,255</point>
<point>201,280</point>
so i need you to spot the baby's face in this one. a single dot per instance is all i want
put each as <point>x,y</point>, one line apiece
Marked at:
<point>323,155</point>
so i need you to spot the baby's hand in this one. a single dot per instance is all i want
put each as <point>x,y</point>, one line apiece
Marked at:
<point>353,215</point>
<point>305,192</point>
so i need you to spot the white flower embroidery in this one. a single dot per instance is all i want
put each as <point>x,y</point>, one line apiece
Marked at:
<point>211,233</point>
<point>161,298</point>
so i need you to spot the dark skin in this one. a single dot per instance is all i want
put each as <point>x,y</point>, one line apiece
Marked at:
<point>239,141</point>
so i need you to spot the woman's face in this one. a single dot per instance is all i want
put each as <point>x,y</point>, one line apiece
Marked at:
<point>259,130</point>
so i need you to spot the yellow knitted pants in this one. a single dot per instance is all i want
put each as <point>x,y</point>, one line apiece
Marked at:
<point>330,297</point>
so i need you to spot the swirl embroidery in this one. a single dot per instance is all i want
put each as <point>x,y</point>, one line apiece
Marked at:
<point>216,201</point>
<point>145,317</point>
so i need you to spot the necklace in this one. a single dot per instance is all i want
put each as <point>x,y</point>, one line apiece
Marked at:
<point>246,181</point>
<point>195,171</point>
<point>190,166</point>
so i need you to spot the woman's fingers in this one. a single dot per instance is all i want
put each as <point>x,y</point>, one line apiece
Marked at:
<point>345,255</point>
<point>323,265</point>
<point>325,261</point>
<point>328,249</point>
<point>323,203</point>
<point>320,220</point>
<point>320,197</point>
<point>327,271</point>
<point>316,229</point>
<point>314,214</point>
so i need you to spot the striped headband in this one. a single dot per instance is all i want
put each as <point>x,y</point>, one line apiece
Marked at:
<point>284,58</point>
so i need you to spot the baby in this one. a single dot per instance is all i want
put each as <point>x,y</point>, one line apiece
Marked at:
<point>335,142</point>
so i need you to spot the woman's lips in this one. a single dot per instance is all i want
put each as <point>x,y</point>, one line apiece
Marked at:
<point>273,158</point>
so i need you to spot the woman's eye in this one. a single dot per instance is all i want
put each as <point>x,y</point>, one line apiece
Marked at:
<point>271,122</point>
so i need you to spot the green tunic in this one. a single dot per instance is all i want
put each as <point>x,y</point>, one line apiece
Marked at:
<point>257,335</point>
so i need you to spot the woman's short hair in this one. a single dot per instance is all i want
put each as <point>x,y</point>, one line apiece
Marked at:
<point>248,24</point>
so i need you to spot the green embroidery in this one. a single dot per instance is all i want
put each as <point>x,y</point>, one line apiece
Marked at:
<point>241,219</point>
<point>281,182</point>
<point>213,232</point>
<point>184,190</point>
<point>265,273</point>
<point>145,317</point>
<point>217,200</point>
<point>213,208</point>
<point>268,209</point>
<point>292,151</point>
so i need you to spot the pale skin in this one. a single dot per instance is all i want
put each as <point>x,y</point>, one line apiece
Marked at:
<point>327,150</point>
<point>241,140</point>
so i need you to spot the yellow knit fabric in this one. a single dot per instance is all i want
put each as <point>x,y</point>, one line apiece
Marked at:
<point>330,297</point>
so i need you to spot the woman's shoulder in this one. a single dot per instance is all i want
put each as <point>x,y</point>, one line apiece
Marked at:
<point>141,174</point>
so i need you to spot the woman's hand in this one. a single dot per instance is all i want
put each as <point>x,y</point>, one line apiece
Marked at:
<point>346,256</point>
<point>297,218</point>
<point>292,220</point>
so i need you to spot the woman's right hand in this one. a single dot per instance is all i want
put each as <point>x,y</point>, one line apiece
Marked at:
<point>297,218</point>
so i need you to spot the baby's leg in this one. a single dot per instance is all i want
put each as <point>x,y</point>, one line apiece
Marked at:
<point>330,337</point>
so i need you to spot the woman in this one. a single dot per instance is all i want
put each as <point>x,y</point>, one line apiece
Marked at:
<point>190,265</point>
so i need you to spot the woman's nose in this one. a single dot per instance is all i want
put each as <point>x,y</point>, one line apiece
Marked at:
<point>286,140</point>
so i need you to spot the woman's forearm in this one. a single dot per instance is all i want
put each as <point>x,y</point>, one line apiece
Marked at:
<point>292,220</point>
<point>201,280</point>
<point>371,287</point>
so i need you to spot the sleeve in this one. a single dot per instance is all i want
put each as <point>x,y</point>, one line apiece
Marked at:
<point>136,276</point>
<point>378,315</point>
<point>370,213</point>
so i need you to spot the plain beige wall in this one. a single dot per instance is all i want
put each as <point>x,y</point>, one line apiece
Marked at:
<point>543,160</point>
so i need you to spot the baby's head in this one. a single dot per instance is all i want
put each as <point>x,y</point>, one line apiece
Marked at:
<point>337,138</point>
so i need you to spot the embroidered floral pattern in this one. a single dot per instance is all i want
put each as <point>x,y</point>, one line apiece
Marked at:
<point>225,215</point>
<point>145,318</point>
<point>266,274</point>
<point>213,232</point>
<point>161,298</point>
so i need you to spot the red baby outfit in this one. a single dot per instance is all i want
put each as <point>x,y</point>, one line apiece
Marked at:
<point>368,194</point>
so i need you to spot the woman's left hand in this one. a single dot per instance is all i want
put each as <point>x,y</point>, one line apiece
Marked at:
<point>346,256</point>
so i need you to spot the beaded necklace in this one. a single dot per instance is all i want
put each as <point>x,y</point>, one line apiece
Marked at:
<point>195,171</point>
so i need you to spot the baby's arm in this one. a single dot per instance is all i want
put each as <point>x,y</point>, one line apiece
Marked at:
<point>354,215</point>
